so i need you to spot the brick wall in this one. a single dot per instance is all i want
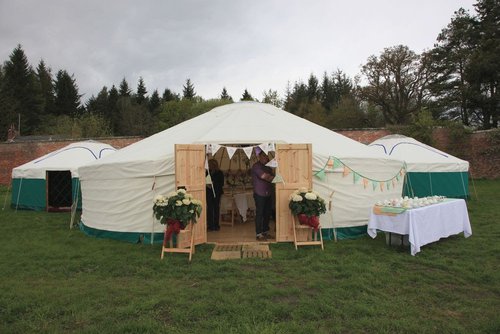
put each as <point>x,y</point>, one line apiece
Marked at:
<point>478,148</point>
<point>14,154</point>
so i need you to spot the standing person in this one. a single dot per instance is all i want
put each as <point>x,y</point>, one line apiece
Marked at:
<point>262,177</point>
<point>214,193</point>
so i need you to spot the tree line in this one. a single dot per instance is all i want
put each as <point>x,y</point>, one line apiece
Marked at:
<point>456,80</point>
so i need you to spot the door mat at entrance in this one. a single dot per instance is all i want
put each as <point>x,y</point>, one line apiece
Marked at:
<point>227,252</point>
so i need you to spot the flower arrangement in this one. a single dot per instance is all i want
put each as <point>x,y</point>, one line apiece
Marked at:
<point>307,205</point>
<point>176,210</point>
<point>178,205</point>
<point>308,202</point>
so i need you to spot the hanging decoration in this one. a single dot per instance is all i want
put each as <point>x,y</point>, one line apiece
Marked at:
<point>230,151</point>
<point>273,163</point>
<point>278,178</point>
<point>248,151</point>
<point>336,164</point>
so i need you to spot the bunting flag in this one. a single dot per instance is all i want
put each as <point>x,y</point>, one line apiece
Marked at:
<point>381,186</point>
<point>230,151</point>
<point>346,172</point>
<point>336,163</point>
<point>273,163</point>
<point>271,147</point>
<point>374,184</point>
<point>264,147</point>
<point>365,182</point>
<point>208,149</point>
<point>208,179</point>
<point>355,177</point>
<point>248,151</point>
<point>278,179</point>
<point>387,183</point>
<point>215,148</point>
<point>321,175</point>
<point>206,164</point>
<point>393,183</point>
<point>329,163</point>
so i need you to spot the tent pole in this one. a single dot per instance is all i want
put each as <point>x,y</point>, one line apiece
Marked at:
<point>463,185</point>
<point>19,194</point>
<point>153,188</point>
<point>430,184</point>
<point>6,194</point>
<point>74,205</point>
<point>473,185</point>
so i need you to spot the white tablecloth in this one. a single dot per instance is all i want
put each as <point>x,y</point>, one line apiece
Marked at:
<point>426,224</point>
<point>242,201</point>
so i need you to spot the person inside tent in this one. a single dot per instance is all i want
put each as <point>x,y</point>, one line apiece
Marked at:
<point>262,177</point>
<point>214,193</point>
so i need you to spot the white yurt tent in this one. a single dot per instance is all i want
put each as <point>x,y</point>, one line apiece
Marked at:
<point>51,182</point>
<point>429,170</point>
<point>118,191</point>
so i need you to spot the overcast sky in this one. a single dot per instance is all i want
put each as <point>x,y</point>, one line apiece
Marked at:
<point>253,44</point>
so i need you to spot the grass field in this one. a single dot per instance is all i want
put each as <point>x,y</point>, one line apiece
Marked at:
<point>57,280</point>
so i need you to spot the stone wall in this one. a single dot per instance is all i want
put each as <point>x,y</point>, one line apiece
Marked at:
<point>481,149</point>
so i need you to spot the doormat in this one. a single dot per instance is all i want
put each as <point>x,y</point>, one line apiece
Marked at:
<point>227,252</point>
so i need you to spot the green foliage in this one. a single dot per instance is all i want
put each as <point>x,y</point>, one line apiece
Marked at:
<point>124,89</point>
<point>178,205</point>
<point>421,128</point>
<point>84,126</point>
<point>224,95</point>
<point>188,90</point>
<point>396,83</point>
<point>67,98</point>
<point>308,202</point>
<point>140,96</point>
<point>272,97</point>
<point>134,119</point>
<point>246,96</point>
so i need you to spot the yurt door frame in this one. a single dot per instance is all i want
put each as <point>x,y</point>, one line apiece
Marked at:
<point>190,175</point>
<point>294,167</point>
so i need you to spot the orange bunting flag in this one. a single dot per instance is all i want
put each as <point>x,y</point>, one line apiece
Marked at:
<point>347,170</point>
<point>382,186</point>
<point>330,163</point>
<point>393,183</point>
<point>365,183</point>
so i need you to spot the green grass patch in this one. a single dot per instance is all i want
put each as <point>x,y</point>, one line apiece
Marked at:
<point>53,280</point>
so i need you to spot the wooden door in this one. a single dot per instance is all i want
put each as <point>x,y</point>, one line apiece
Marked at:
<point>190,174</point>
<point>295,166</point>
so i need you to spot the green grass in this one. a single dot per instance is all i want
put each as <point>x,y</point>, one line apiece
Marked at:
<point>57,280</point>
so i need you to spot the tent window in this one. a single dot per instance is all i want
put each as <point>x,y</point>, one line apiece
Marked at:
<point>59,190</point>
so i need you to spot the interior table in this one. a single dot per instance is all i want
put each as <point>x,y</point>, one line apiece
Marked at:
<point>425,224</point>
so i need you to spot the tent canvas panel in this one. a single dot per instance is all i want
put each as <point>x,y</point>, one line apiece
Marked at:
<point>449,184</point>
<point>29,194</point>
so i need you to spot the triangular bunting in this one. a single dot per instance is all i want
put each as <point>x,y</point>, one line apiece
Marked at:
<point>346,172</point>
<point>278,179</point>
<point>381,186</point>
<point>208,149</point>
<point>393,184</point>
<point>397,177</point>
<point>329,163</point>
<point>271,147</point>
<point>365,182</point>
<point>215,148</point>
<point>355,177</point>
<point>230,151</point>
<point>264,147</point>
<point>374,184</point>
<point>273,163</point>
<point>336,163</point>
<point>248,151</point>
<point>388,184</point>
<point>321,175</point>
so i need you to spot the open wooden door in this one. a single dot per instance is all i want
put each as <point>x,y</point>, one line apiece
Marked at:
<point>295,166</point>
<point>190,174</point>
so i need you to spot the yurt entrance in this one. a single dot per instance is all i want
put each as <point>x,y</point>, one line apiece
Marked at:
<point>59,190</point>
<point>237,216</point>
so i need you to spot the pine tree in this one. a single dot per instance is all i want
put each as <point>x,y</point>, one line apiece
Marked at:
<point>124,89</point>
<point>21,94</point>
<point>246,96</point>
<point>67,101</point>
<point>47,87</point>
<point>224,95</point>
<point>112,114</point>
<point>154,102</point>
<point>168,95</point>
<point>188,90</point>
<point>140,96</point>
